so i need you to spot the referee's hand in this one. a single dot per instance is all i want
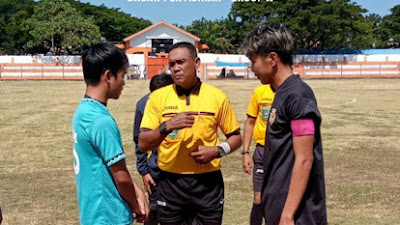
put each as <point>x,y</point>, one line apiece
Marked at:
<point>204,154</point>
<point>180,121</point>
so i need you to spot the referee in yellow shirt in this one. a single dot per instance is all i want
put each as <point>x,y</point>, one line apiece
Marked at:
<point>182,119</point>
<point>256,126</point>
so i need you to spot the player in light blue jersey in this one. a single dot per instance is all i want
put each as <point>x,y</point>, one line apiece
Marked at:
<point>106,192</point>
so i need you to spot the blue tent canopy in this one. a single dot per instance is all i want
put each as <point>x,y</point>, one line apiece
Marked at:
<point>235,64</point>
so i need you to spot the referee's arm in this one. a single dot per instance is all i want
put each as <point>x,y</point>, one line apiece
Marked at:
<point>151,139</point>
<point>234,140</point>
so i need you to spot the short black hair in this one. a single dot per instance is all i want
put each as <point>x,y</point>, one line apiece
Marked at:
<point>187,45</point>
<point>160,81</point>
<point>266,38</point>
<point>99,58</point>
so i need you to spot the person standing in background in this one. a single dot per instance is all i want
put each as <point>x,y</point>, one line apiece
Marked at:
<point>256,126</point>
<point>147,165</point>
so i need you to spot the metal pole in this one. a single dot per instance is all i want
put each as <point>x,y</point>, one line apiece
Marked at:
<point>205,72</point>
<point>341,69</point>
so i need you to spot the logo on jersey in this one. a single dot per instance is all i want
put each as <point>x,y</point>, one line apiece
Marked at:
<point>272,116</point>
<point>173,134</point>
<point>265,112</point>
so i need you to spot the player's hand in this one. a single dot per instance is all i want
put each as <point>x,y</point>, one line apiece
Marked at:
<point>141,213</point>
<point>247,164</point>
<point>180,121</point>
<point>286,220</point>
<point>204,154</point>
<point>148,182</point>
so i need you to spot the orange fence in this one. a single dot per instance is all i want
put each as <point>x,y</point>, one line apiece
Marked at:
<point>211,71</point>
<point>348,69</point>
<point>73,71</point>
<point>42,71</point>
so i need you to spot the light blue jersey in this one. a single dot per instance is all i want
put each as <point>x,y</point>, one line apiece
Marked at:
<point>97,146</point>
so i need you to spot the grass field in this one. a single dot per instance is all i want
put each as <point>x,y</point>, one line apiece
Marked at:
<point>361,129</point>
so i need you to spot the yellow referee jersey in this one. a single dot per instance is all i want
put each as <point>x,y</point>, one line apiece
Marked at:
<point>211,109</point>
<point>259,107</point>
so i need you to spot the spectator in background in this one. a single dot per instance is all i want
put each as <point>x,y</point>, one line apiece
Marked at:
<point>231,73</point>
<point>223,73</point>
<point>147,166</point>
<point>256,126</point>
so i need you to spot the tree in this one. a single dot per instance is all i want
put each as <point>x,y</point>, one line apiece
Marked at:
<point>113,24</point>
<point>380,33</point>
<point>391,25</point>
<point>334,24</point>
<point>214,33</point>
<point>59,27</point>
<point>13,37</point>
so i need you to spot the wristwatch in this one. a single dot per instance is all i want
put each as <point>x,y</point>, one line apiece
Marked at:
<point>163,128</point>
<point>221,152</point>
<point>245,152</point>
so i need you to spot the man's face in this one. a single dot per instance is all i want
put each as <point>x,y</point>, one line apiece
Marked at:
<point>183,67</point>
<point>117,83</point>
<point>261,66</point>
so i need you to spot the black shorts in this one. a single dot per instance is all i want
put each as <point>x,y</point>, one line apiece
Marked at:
<point>183,198</point>
<point>258,169</point>
<point>153,197</point>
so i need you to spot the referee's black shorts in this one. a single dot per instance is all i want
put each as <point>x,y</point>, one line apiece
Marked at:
<point>258,168</point>
<point>183,198</point>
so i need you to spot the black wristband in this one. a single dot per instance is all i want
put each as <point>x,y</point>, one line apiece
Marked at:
<point>163,128</point>
<point>245,152</point>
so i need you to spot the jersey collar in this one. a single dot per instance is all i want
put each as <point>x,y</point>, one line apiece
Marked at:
<point>194,90</point>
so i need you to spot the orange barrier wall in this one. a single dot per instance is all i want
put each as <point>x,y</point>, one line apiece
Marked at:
<point>43,71</point>
<point>348,69</point>
<point>73,71</point>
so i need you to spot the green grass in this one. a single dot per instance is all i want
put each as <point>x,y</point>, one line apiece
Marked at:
<point>360,136</point>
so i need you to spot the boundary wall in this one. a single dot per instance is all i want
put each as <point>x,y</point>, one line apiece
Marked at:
<point>307,66</point>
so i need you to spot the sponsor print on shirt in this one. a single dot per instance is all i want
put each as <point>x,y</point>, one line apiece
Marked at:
<point>265,112</point>
<point>173,134</point>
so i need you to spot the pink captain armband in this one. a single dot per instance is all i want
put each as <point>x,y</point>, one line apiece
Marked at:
<point>302,127</point>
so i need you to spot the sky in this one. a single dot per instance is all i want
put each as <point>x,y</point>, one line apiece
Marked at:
<point>183,12</point>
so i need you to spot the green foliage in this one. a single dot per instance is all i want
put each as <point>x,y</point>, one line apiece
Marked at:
<point>13,37</point>
<point>335,24</point>
<point>214,33</point>
<point>114,25</point>
<point>60,27</point>
<point>70,24</point>
<point>391,25</point>
<point>315,24</point>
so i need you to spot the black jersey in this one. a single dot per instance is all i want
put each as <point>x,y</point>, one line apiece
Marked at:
<point>294,100</point>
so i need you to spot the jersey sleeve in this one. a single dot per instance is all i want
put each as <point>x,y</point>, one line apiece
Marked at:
<point>105,136</point>
<point>152,114</point>
<point>227,121</point>
<point>141,157</point>
<point>303,105</point>
<point>252,109</point>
